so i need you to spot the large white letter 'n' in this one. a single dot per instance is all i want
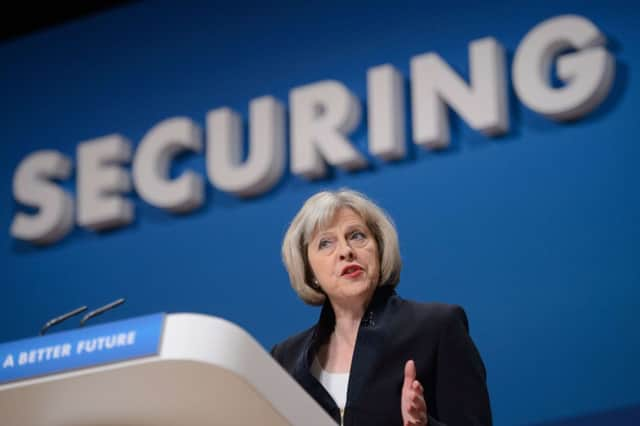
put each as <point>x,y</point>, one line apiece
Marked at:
<point>482,104</point>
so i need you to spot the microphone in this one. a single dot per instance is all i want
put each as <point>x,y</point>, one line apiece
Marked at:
<point>101,310</point>
<point>61,318</point>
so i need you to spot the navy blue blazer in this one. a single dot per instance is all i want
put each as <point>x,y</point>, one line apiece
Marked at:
<point>393,331</point>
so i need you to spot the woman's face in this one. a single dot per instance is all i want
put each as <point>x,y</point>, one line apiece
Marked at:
<point>344,258</point>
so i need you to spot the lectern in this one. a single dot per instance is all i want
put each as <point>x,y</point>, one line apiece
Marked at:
<point>158,370</point>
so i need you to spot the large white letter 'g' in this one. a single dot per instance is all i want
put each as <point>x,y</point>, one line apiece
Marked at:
<point>587,72</point>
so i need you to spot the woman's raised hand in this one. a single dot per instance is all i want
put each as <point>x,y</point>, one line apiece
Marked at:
<point>414,408</point>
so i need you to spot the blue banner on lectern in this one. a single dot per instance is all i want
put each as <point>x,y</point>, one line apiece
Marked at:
<point>86,347</point>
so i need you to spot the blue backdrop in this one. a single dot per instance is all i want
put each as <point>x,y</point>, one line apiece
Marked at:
<point>536,233</point>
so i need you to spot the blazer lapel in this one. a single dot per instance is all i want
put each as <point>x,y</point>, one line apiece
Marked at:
<point>370,345</point>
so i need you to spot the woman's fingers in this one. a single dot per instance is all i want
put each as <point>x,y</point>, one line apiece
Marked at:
<point>416,404</point>
<point>420,405</point>
<point>409,373</point>
<point>414,407</point>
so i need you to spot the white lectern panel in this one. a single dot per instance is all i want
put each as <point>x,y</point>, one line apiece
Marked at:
<point>208,372</point>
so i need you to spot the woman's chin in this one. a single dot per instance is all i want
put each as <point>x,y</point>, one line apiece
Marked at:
<point>357,289</point>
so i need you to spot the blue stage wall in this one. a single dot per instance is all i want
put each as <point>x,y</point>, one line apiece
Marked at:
<point>535,233</point>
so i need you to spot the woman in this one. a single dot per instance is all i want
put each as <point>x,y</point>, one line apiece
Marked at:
<point>374,358</point>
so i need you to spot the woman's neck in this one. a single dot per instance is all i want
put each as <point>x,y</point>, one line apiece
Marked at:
<point>346,330</point>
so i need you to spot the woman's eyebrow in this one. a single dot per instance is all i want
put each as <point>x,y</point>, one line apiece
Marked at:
<point>321,234</point>
<point>352,226</point>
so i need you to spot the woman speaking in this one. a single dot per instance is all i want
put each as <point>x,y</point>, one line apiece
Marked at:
<point>374,358</point>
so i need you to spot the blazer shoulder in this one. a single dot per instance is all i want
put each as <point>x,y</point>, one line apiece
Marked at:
<point>291,345</point>
<point>442,314</point>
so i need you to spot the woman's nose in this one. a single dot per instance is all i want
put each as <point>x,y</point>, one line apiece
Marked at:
<point>346,252</point>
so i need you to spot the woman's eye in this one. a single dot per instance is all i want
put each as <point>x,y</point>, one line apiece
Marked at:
<point>324,244</point>
<point>358,235</point>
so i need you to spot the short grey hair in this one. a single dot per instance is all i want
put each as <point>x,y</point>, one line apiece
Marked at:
<point>317,213</point>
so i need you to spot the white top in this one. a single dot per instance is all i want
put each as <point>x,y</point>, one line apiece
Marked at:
<point>335,383</point>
